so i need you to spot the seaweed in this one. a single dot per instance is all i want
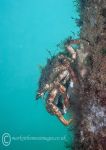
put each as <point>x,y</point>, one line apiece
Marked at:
<point>80,4</point>
<point>91,133</point>
<point>79,22</point>
<point>103,12</point>
<point>103,51</point>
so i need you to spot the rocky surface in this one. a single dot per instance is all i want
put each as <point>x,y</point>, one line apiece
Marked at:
<point>91,123</point>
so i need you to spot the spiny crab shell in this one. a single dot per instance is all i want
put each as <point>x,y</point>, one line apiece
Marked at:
<point>49,73</point>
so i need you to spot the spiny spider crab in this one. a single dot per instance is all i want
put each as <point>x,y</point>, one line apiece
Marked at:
<point>56,79</point>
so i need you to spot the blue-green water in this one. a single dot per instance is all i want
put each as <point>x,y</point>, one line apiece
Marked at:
<point>27,29</point>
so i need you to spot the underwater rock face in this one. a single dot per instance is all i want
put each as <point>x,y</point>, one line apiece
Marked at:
<point>95,119</point>
<point>91,129</point>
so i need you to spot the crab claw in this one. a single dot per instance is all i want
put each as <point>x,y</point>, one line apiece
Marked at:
<point>39,95</point>
<point>42,92</point>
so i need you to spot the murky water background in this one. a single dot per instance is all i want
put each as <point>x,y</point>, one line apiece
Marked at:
<point>27,29</point>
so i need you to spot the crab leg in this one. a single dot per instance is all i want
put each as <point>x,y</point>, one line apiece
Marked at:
<point>55,83</point>
<point>66,101</point>
<point>59,115</point>
<point>55,109</point>
<point>41,93</point>
<point>62,75</point>
<point>77,41</point>
<point>71,49</point>
<point>72,74</point>
<point>62,90</point>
